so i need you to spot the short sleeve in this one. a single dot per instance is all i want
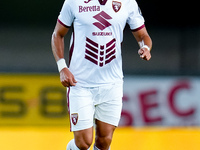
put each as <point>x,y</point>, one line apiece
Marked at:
<point>66,16</point>
<point>135,18</point>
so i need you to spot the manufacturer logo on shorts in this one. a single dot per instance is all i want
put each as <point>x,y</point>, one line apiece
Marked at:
<point>74,118</point>
<point>102,17</point>
<point>116,6</point>
<point>100,54</point>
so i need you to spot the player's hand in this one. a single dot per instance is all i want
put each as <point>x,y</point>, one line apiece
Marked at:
<point>144,53</point>
<point>67,78</point>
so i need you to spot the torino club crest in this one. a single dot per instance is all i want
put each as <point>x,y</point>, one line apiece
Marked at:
<point>74,118</point>
<point>116,6</point>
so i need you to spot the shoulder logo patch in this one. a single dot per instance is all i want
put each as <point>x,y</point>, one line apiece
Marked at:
<point>116,5</point>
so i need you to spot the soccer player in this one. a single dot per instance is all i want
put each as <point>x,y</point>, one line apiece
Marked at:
<point>94,79</point>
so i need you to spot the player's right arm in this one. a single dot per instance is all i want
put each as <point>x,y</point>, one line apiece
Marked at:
<point>57,43</point>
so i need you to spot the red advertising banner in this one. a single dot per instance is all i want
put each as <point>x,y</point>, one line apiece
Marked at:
<point>161,101</point>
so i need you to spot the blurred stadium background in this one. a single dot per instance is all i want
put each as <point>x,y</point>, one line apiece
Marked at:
<point>161,97</point>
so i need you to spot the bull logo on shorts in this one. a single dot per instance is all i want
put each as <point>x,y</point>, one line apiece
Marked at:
<point>116,6</point>
<point>74,118</point>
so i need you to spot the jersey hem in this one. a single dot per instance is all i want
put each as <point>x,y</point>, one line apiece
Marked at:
<point>98,84</point>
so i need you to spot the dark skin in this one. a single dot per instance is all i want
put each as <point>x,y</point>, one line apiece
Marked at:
<point>66,77</point>
<point>142,35</point>
<point>104,131</point>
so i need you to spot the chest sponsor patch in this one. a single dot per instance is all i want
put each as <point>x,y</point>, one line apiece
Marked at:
<point>102,19</point>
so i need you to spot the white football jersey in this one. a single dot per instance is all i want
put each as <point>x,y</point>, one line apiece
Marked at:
<point>95,47</point>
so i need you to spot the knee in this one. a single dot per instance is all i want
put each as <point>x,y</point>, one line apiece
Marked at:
<point>103,142</point>
<point>84,144</point>
<point>84,138</point>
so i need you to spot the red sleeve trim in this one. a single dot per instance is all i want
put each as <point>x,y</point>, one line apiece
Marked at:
<point>137,29</point>
<point>63,24</point>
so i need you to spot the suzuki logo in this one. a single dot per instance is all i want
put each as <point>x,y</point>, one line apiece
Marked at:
<point>102,17</point>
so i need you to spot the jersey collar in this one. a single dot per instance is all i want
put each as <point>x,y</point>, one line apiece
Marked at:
<point>102,2</point>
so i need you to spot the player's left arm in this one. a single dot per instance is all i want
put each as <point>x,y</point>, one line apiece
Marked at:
<point>144,42</point>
